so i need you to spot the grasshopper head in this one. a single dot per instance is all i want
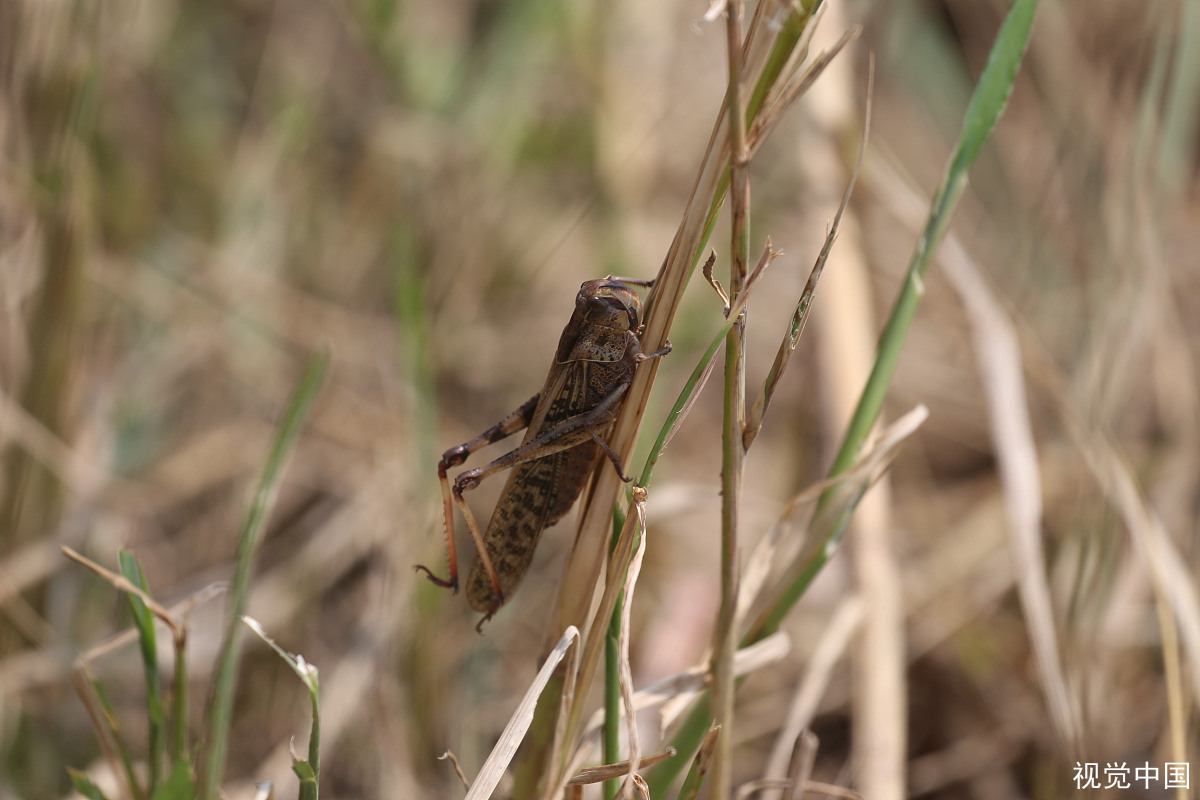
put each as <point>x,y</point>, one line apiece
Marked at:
<point>608,303</point>
<point>605,312</point>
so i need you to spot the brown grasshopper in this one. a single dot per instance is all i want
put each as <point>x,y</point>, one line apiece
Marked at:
<point>568,422</point>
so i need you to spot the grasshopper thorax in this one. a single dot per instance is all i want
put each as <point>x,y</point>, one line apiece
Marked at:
<point>606,311</point>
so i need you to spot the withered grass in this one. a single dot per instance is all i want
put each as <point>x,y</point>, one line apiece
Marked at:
<point>198,196</point>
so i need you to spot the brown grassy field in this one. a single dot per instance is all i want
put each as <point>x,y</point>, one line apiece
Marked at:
<point>198,196</point>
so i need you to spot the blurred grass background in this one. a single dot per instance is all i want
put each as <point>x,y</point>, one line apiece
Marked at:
<point>197,195</point>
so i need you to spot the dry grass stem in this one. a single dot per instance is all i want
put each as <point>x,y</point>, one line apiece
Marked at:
<point>830,648</point>
<point>110,742</point>
<point>200,194</point>
<point>853,481</point>
<point>700,764</point>
<point>800,316</point>
<point>624,672</point>
<point>751,788</point>
<point>999,359</point>
<point>707,272</point>
<point>804,755</point>
<point>676,692</point>
<point>618,770</point>
<point>498,760</point>
<point>178,631</point>
<point>764,125</point>
<point>448,756</point>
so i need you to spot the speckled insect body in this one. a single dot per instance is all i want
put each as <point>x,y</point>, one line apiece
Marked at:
<point>568,423</point>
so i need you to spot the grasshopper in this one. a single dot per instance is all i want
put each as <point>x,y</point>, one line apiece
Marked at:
<point>568,422</point>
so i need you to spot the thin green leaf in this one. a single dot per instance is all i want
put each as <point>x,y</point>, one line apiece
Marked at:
<point>612,685</point>
<point>984,109</point>
<point>180,783</point>
<point>699,769</point>
<point>117,738</point>
<point>804,305</point>
<point>788,36</point>
<point>220,711</point>
<point>308,779</point>
<point>177,742</point>
<point>695,382</point>
<point>84,785</point>
<point>309,674</point>
<point>987,102</point>
<point>148,644</point>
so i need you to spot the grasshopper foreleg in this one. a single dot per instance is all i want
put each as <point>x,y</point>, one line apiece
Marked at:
<point>516,421</point>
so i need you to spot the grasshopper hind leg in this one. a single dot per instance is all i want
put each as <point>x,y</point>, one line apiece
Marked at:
<point>499,601</point>
<point>452,457</point>
<point>456,456</point>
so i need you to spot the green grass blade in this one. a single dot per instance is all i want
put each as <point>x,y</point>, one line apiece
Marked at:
<point>690,789</point>
<point>987,102</point>
<point>117,738</point>
<point>308,779</point>
<point>308,770</point>
<point>695,382</point>
<point>612,685</point>
<point>177,740</point>
<point>1181,103</point>
<point>689,738</point>
<point>791,29</point>
<point>686,396</point>
<point>179,785</point>
<point>309,788</point>
<point>220,711</point>
<point>83,784</point>
<point>143,620</point>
